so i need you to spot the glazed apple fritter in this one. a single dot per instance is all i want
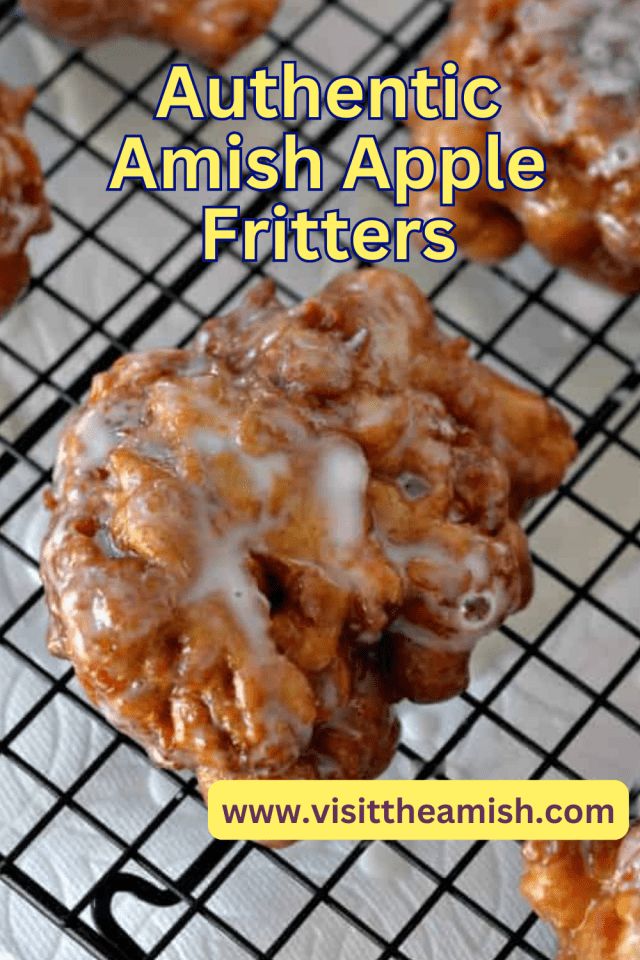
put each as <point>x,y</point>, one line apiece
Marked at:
<point>24,210</point>
<point>259,544</point>
<point>570,76</point>
<point>590,893</point>
<point>210,30</point>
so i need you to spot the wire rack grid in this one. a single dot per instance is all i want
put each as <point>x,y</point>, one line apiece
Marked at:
<point>100,854</point>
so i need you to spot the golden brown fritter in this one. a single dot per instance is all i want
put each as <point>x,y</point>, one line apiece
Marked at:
<point>210,30</point>
<point>590,893</point>
<point>24,210</point>
<point>570,74</point>
<point>236,527</point>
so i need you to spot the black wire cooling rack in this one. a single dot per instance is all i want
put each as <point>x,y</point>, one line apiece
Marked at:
<point>588,367</point>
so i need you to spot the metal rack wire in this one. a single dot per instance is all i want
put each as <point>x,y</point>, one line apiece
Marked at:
<point>155,300</point>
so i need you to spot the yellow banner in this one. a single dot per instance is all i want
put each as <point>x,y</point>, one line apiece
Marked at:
<point>279,810</point>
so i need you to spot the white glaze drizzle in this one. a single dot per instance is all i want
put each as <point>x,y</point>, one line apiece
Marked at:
<point>342,484</point>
